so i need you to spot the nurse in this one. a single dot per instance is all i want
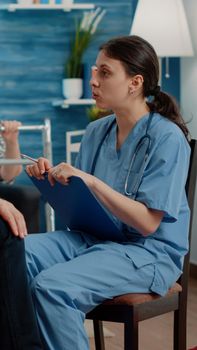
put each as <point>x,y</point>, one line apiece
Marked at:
<point>135,161</point>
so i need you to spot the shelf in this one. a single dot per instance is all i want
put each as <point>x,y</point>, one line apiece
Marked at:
<point>67,8</point>
<point>71,102</point>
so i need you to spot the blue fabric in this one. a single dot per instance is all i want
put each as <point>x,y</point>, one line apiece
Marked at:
<point>162,187</point>
<point>70,273</point>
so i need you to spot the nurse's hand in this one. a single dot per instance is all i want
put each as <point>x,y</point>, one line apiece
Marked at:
<point>14,218</point>
<point>39,168</point>
<point>63,172</point>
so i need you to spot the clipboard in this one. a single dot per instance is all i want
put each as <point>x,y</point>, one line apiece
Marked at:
<point>79,209</point>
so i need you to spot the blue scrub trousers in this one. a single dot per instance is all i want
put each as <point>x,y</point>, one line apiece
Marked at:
<point>69,274</point>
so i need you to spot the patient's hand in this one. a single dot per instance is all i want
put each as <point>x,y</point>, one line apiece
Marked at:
<point>10,134</point>
<point>14,218</point>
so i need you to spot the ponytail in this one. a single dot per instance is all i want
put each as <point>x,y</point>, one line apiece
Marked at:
<point>167,106</point>
<point>139,57</point>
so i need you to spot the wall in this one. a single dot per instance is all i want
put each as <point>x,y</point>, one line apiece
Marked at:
<point>188,97</point>
<point>33,47</point>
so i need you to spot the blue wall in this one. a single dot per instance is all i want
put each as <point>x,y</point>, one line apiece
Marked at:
<point>33,48</point>
<point>172,84</point>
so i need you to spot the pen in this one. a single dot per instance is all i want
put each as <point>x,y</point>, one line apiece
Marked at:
<point>24,156</point>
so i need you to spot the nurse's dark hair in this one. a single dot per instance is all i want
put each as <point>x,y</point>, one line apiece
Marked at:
<point>139,57</point>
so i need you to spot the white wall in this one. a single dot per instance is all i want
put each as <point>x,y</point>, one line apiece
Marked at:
<point>189,96</point>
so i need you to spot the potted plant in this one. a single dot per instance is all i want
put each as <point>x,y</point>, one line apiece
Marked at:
<point>95,112</point>
<point>84,32</point>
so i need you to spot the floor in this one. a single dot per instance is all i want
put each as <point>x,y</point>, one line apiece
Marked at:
<point>156,333</point>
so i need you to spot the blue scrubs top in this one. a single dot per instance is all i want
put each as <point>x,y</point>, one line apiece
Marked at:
<point>162,187</point>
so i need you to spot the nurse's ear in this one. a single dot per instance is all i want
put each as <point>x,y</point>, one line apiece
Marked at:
<point>136,83</point>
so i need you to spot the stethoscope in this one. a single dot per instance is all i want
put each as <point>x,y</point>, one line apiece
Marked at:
<point>138,160</point>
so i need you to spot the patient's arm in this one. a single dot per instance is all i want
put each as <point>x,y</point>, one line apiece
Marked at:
<point>12,150</point>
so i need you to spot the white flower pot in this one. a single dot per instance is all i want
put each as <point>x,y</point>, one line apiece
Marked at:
<point>72,88</point>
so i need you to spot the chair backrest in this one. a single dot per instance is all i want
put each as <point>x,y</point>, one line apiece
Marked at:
<point>190,190</point>
<point>73,140</point>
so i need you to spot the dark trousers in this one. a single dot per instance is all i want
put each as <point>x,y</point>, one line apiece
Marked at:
<point>18,326</point>
<point>27,200</point>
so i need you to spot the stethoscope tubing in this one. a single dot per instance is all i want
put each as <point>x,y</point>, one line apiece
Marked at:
<point>139,145</point>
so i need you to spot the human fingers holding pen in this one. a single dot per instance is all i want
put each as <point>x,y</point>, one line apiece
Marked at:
<point>40,166</point>
<point>60,173</point>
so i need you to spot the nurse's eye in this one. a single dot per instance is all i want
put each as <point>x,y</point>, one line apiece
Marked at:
<point>104,73</point>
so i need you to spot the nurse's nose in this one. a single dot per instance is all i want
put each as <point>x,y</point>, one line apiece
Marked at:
<point>94,80</point>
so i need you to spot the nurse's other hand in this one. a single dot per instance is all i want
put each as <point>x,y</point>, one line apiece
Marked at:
<point>63,172</point>
<point>38,169</point>
<point>14,218</point>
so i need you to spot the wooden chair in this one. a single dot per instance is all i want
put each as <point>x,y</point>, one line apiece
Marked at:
<point>130,309</point>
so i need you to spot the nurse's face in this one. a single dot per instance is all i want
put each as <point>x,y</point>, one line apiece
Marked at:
<point>109,83</point>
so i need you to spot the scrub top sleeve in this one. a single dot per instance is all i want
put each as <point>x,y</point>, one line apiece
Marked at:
<point>163,183</point>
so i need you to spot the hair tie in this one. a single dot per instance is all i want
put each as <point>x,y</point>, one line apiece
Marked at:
<point>157,90</point>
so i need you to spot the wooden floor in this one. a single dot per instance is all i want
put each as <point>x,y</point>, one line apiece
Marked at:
<point>156,333</point>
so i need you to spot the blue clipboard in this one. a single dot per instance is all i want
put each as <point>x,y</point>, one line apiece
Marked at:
<point>79,209</point>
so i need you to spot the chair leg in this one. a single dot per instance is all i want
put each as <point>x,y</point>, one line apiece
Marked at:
<point>180,330</point>
<point>98,335</point>
<point>131,335</point>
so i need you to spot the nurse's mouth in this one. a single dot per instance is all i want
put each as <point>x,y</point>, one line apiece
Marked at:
<point>95,96</point>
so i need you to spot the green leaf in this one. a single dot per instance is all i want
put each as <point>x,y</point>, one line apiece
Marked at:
<point>80,42</point>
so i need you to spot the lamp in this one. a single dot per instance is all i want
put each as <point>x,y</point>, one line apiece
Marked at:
<point>164,25</point>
